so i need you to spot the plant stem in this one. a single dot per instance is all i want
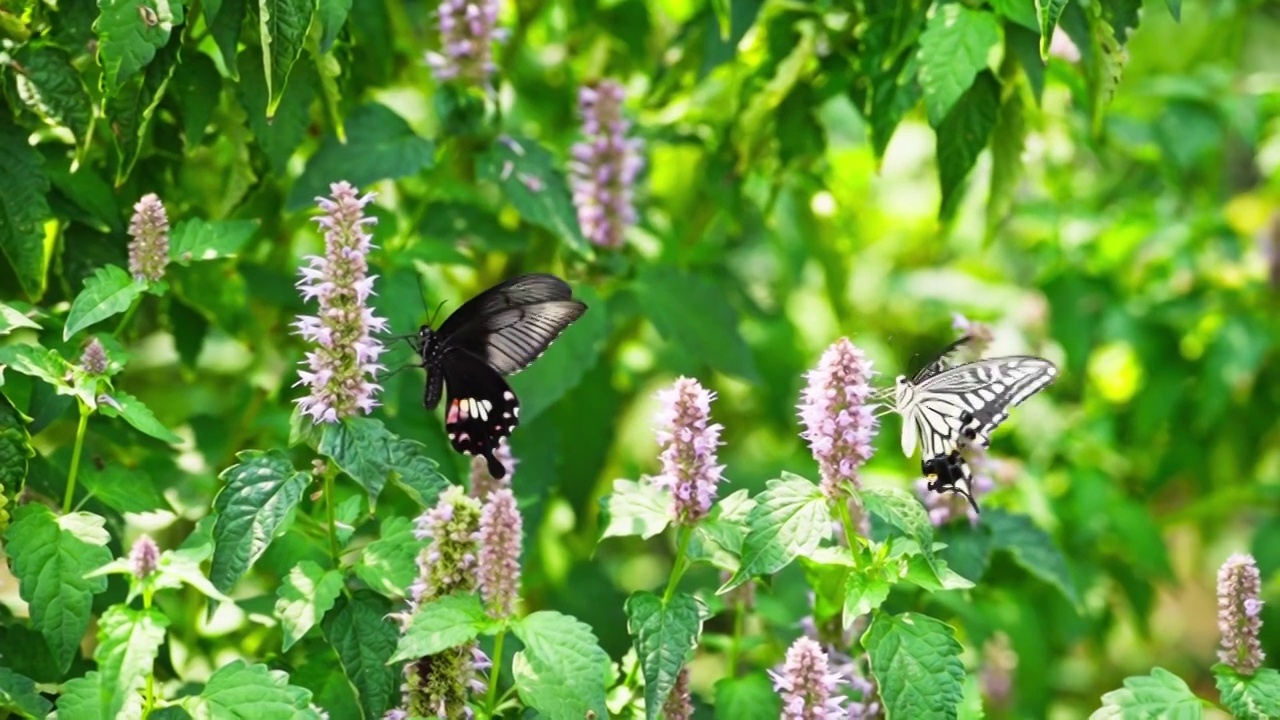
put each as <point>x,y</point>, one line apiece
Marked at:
<point>128,315</point>
<point>492,702</point>
<point>739,613</point>
<point>329,513</point>
<point>75,457</point>
<point>851,536</point>
<point>682,547</point>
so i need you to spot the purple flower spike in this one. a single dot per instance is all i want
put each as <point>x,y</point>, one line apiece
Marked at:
<point>94,358</point>
<point>808,687</point>
<point>839,422</point>
<point>1239,585</point>
<point>345,358</point>
<point>448,564</point>
<point>689,440</point>
<point>604,166</point>
<point>498,571</point>
<point>149,248</point>
<point>468,30</point>
<point>143,556</point>
<point>679,704</point>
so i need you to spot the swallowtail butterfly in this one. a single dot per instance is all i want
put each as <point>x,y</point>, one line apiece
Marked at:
<point>947,407</point>
<point>498,332</point>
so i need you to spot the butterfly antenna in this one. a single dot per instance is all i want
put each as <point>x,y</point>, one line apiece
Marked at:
<point>432,322</point>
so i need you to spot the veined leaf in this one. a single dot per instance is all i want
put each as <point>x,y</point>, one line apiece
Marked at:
<point>364,639</point>
<point>242,690</point>
<point>24,210</point>
<point>128,642</point>
<point>664,633</point>
<point>915,660</point>
<point>109,292</point>
<point>283,27</point>
<point>129,34</point>
<point>790,519</point>
<point>953,50</point>
<point>307,593</point>
<point>257,496</point>
<point>562,669</point>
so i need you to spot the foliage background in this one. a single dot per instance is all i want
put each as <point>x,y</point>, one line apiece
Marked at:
<point>1120,218</point>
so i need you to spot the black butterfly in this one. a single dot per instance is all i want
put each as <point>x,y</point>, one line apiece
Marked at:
<point>498,332</point>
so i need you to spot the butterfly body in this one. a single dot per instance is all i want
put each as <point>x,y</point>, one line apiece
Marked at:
<point>946,408</point>
<point>499,332</point>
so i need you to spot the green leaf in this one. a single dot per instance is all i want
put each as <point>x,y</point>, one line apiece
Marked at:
<point>1048,11</point>
<point>711,334</point>
<point>953,50</point>
<point>51,556</point>
<point>11,318</point>
<point>902,510</point>
<point>109,292</point>
<point>636,508</point>
<point>1022,12</point>
<point>1158,695</point>
<point>1175,9</point>
<point>664,633</point>
<point>82,699</point>
<point>15,455</point>
<point>564,364</point>
<point>197,86</point>
<point>132,109</point>
<point>18,694</point>
<point>259,493</point>
<point>122,488</point>
<point>529,177</point>
<point>41,363</point>
<point>240,690</point>
<point>1006,160</point>
<point>199,239</point>
<point>307,593</point>
<point>128,642</point>
<point>225,19</point>
<point>121,404</point>
<point>283,27</point>
<point>24,210</point>
<point>389,564</point>
<point>718,537</point>
<point>364,638</point>
<point>1254,697</point>
<point>961,137</point>
<point>380,146</point>
<point>50,84</point>
<point>440,624</point>
<point>790,519</point>
<point>765,104</point>
<point>915,660</point>
<point>1032,548</point>
<point>865,590</point>
<point>370,454</point>
<point>333,15</point>
<point>280,135</point>
<point>129,34</point>
<point>750,697</point>
<point>562,670</point>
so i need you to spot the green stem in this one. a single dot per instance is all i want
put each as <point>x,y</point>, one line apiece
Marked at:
<point>128,315</point>
<point>493,672</point>
<point>681,564</point>
<point>75,457</point>
<point>739,615</point>
<point>150,696</point>
<point>329,513</point>
<point>851,536</point>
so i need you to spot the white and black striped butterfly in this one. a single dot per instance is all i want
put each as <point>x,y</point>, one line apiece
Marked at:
<point>498,332</point>
<point>946,408</point>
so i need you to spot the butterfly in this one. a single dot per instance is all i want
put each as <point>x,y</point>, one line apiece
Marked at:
<point>498,332</point>
<point>947,407</point>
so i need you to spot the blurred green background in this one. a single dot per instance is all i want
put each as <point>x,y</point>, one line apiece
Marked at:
<point>1128,231</point>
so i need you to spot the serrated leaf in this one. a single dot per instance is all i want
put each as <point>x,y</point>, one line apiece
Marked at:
<point>364,638</point>
<point>1006,160</point>
<point>225,19</point>
<point>197,85</point>
<point>1048,12</point>
<point>51,556</point>
<point>81,699</point>
<point>50,84</point>
<point>199,239</point>
<point>132,108</point>
<point>109,292</point>
<point>258,494</point>
<point>280,135</point>
<point>711,334</point>
<point>370,454</point>
<point>664,634</point>
<point>440,624</point>
<point>902,510</point>
<point>332,15</point>
<point>765,103</point>
<point>1249,697</point>
<point>11,318</point>
<point>15,455</point>
<point>790,519</point>
<point>242,690</point>
<point>1032,548</point>
<point>118,403</point>
<point>306,594</point>
<point>24,210</point>
<point>636,508</point>
<point>530,179</point>
<point>124,489</point>
<point>953,50</point>
<point>750,697</point>
<point>962,136</point>
<point>129,34</point>
<point>18,694</point>
<point>380,146</point>
<point>1022,12</point>
<point>865,590</point>
<point>562,670</point>
<point>718,537</point>
<point>564,364</point>
<point>41,363</point>
<point>915,660</point>
<point>1158,695</point>
<point>128,642</point>
<point>389,564</point>
<point>282,27</point>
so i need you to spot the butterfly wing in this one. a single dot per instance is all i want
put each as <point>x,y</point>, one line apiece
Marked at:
<point>481,407</point>
<point>518,291</point>
<point>978,395</point>
<point>940,363</point>
<point>511,339</point>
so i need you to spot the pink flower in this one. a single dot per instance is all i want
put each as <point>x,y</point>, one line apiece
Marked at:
<point>500,535</point>
<point>468,29</point>
<point>689,441</point>
<point>94,358</point>
<point>838,421</point>
<point>808,687</point>
<point>482,483</point>
<point>149,248</point>
<point>345,357</point>
<point>143,556</point>
<point>679,704</point>
<point>604,166</point>
<point>1239,585</point>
